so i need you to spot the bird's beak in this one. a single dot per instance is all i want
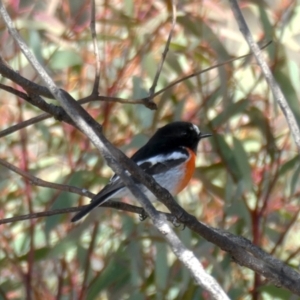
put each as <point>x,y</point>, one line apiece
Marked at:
<point>204,135</point>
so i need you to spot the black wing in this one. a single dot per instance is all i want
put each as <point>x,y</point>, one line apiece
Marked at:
<point>151,167</point>
<point>104,195</point>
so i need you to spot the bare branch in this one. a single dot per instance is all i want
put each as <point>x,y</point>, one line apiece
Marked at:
<point>67,188</point>
<point>24,124</point>
<point>26,84</point>
<point>117,161</point>
<point>201,72</point>
<point>58,112</point>
<point>164,54</point>
<point>95,90</point>
<point>277,93</point>
<point>239,248</point>
<point>246,254</point>
<point>39,182</point>
<point>112,204</point>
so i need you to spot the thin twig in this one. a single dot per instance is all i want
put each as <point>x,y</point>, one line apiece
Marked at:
<point>277,93</point>
<point>24,124</point>
<point>164,54</point>
<point>67,188</point>
<point>201,72</point>
<point>39,215</point>
<point>13,91</point>
<point>45,92</point>
<point>145,101</point>
<point>61,113</point>
<point>95,90</point>
<point>118,162</point>
<point>273,269</point>
<point>87,263</point>
<point>39,182</point>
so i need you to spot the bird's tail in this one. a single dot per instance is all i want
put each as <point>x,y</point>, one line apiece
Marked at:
<point>96,201</point>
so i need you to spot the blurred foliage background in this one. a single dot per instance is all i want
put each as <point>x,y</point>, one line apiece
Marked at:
<point>247,177</point>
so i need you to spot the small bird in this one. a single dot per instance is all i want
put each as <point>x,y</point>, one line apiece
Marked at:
<point>169,156</point>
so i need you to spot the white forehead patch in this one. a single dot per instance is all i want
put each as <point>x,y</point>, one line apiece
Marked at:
<point>196,129</point>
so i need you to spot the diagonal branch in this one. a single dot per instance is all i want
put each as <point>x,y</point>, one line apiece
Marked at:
<point>48,213</point>
<point>60,114</point>
<point>241,250</point>
<point>277,93</point>
<point>118,161</point>
<point>203,71</point>
<point>165,52</point>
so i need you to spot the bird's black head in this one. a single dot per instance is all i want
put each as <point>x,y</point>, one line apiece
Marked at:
<point>179,134</point>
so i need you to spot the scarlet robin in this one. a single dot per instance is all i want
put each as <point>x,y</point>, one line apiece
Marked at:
<point>169,156</point>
